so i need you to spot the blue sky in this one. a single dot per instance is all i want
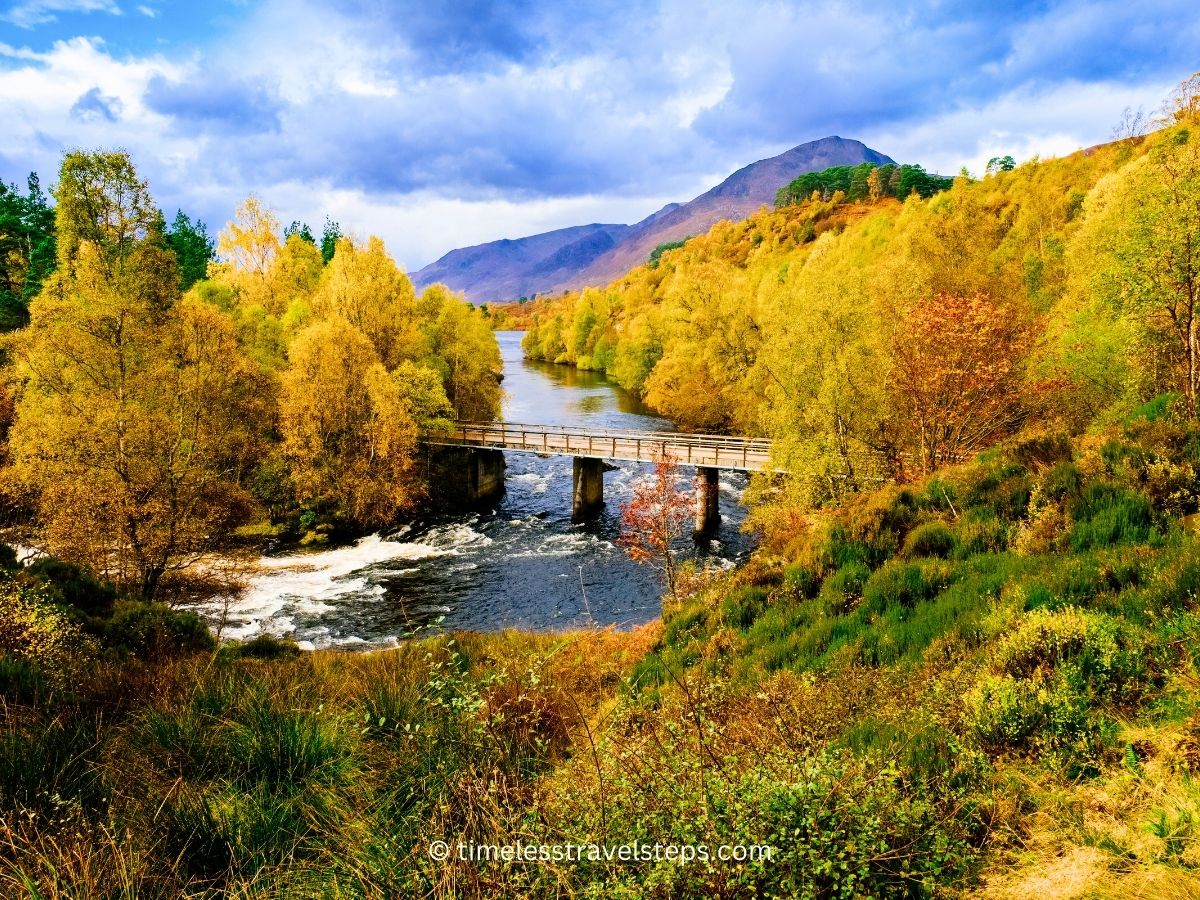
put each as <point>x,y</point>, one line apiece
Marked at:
<point>437,125</point>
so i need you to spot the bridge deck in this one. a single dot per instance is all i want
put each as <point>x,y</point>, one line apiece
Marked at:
<point>717,451</point>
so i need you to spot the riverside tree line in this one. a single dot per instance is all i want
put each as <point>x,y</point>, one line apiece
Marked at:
<point>155,399</point>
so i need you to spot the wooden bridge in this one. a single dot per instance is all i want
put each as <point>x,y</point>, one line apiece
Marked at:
<point>589,448</point>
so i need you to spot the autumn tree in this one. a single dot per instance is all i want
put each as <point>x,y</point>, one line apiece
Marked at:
<point>655,518</point>
<point>350,426</point>
<point>136,415</point>
<point>364,286</point>
<point>461,346</point>
<point>1152,265</point>
<point>956,377</point>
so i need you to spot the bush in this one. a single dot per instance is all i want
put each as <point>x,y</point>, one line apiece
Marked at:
<point>152,630</point>
<point>72,585</point>
<point>803,580</point>
<point>904,584</point>
<point>35,630</point>
<point>931,539</point>
<point>844,586</point>
<point>981,531</point>
<point>1061,482</point>
<point>1007,713</point>
<point>8,559</point>
<point>1096,654</point>
<point>263,647</point>
<point>1107,514</point>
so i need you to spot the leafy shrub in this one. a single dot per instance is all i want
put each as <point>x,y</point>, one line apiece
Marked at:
<point>152,630</point>
<point>34,629</point>
<point>8,559</point>
<point>1095,653</point>
<point>931,539</point>
<point>263,647</point>
<point>1049,682</point>
<point>72,585</point>
<point>1008,713</point>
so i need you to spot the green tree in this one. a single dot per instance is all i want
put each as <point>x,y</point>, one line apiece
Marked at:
<point>330,235</point>
<point>194,249</point>
<point>27,249</point>
<point>301,230</point>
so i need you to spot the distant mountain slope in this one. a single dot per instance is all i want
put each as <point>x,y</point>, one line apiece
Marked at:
<point>508,269</point>
<point>571,258</point>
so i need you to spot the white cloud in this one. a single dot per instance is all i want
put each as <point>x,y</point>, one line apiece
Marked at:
<point>30,13</point>
<point>321,109</point>
<point>1025,123</point>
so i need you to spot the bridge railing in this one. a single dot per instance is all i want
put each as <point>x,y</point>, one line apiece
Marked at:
<point>751,454</point>
<point>679,437</point>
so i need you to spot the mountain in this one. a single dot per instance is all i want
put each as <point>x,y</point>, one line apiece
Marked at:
<point>571,258</point>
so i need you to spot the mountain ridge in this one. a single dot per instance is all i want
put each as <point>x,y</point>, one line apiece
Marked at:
<point>595,254</point>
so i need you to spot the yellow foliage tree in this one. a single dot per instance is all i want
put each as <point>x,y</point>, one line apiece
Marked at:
<point>364,286</point>
<point>348,426</point>
<point>136,416</point>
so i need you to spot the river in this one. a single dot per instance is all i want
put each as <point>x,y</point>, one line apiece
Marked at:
<point>522,564</point>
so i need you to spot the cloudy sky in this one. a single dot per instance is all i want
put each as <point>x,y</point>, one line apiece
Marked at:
<point>438,124</point>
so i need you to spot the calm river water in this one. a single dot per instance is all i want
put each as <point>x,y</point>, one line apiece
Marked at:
<point>520,565</point>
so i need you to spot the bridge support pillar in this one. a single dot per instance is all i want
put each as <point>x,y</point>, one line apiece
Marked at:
<point>708,497</point>
<point>485,476</point>
<point>587,496</point>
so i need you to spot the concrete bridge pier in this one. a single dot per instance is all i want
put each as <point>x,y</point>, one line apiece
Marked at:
<point>708,500</point>
<point>587,495</point>
<point>485,476</point>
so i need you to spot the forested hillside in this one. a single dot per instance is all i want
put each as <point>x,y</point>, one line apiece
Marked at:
<point>878,339</point>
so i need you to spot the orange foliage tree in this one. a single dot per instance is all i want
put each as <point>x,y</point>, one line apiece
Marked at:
<point>957,376</point>
<point>655,518</point>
